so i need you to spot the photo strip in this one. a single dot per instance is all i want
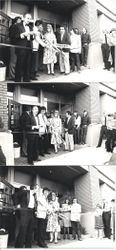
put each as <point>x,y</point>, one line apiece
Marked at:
<point>58,124</point>
<point>63,207</point>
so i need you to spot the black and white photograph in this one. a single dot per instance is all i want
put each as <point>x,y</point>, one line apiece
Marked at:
<point>58,207</point>
<point>58,124</point>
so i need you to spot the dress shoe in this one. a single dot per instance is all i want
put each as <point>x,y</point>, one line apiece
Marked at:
<point>47,153</point>
<point>42,154</point>
<point>26,80</point>
<point>30,162</point>
<point>42,245</point>
<point>34,78</point>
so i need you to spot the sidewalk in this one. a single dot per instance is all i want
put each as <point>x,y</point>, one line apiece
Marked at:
<point>90,243</point>
<point>86,75</point>
<point>82,155</point>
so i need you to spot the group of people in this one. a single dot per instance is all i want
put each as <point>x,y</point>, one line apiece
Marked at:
<point>40,131</point>
<point>104,219</point>
<point>108,132</point>
<point>108,48</point>
<point>40,216</point>
<point>70,49</point>
<point>40,209</point>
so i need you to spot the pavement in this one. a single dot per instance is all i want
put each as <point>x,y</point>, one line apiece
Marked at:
<point>82,155</point>
<point>86,75</point>
<point>89,243</point>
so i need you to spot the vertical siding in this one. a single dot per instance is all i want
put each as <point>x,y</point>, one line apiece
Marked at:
<point>88,98</point>
<point>94,102</point>
<point>95,187</point>
<point>87,190</point>
<point>86,16</point>
<point>82,189</point>
<point>3,103</point>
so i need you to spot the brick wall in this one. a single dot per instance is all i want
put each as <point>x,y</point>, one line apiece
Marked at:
<point>88,98</point>
<point>87,190</point>
<point>3,103</point>
<point>86,16</point>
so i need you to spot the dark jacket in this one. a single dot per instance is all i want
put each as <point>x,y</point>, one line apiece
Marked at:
<point>85,121</point>
<point>18,29</point>
<point>65,40</point>
<point>24,121</point>
<point>29,121</point>
<point>86,39</point>
<point>21,198</point>
<point>69,125</point>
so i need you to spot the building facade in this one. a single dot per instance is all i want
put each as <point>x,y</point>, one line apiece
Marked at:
<point>89,184</point>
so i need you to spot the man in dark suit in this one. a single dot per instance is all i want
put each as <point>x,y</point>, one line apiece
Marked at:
<point>24,202</point>
<point>23,120</point>
<point>22,38</point>
<point>64,38</point>
<point>69,131</point>
<point>85,121</point>
<point>86,39</point>
<point>32,129</point>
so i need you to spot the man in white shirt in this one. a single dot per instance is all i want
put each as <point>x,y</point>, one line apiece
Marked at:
<point>75,219</point>
<point>75,50</point>
<point>41,213</point>
<point>38,34</point>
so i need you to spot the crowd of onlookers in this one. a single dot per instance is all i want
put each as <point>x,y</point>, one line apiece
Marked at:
<point>36,45</point>
<point>40,131</point>
<point>41,216</point>
<point>68,48</point>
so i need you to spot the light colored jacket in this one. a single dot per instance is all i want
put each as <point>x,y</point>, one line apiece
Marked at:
<point>75,43</point>
<point>75,212</point>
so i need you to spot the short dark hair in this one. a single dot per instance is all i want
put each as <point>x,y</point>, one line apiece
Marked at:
<point>45,189</point>
<point>69,112</point>
<point>22,187</point>
<point>38,22</point>
<point>15,19</point>
<point>43,108</point>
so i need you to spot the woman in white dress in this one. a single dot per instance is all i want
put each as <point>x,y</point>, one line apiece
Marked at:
<point>56,131</point>
<point>49,57</point>
<point>52,223</point>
